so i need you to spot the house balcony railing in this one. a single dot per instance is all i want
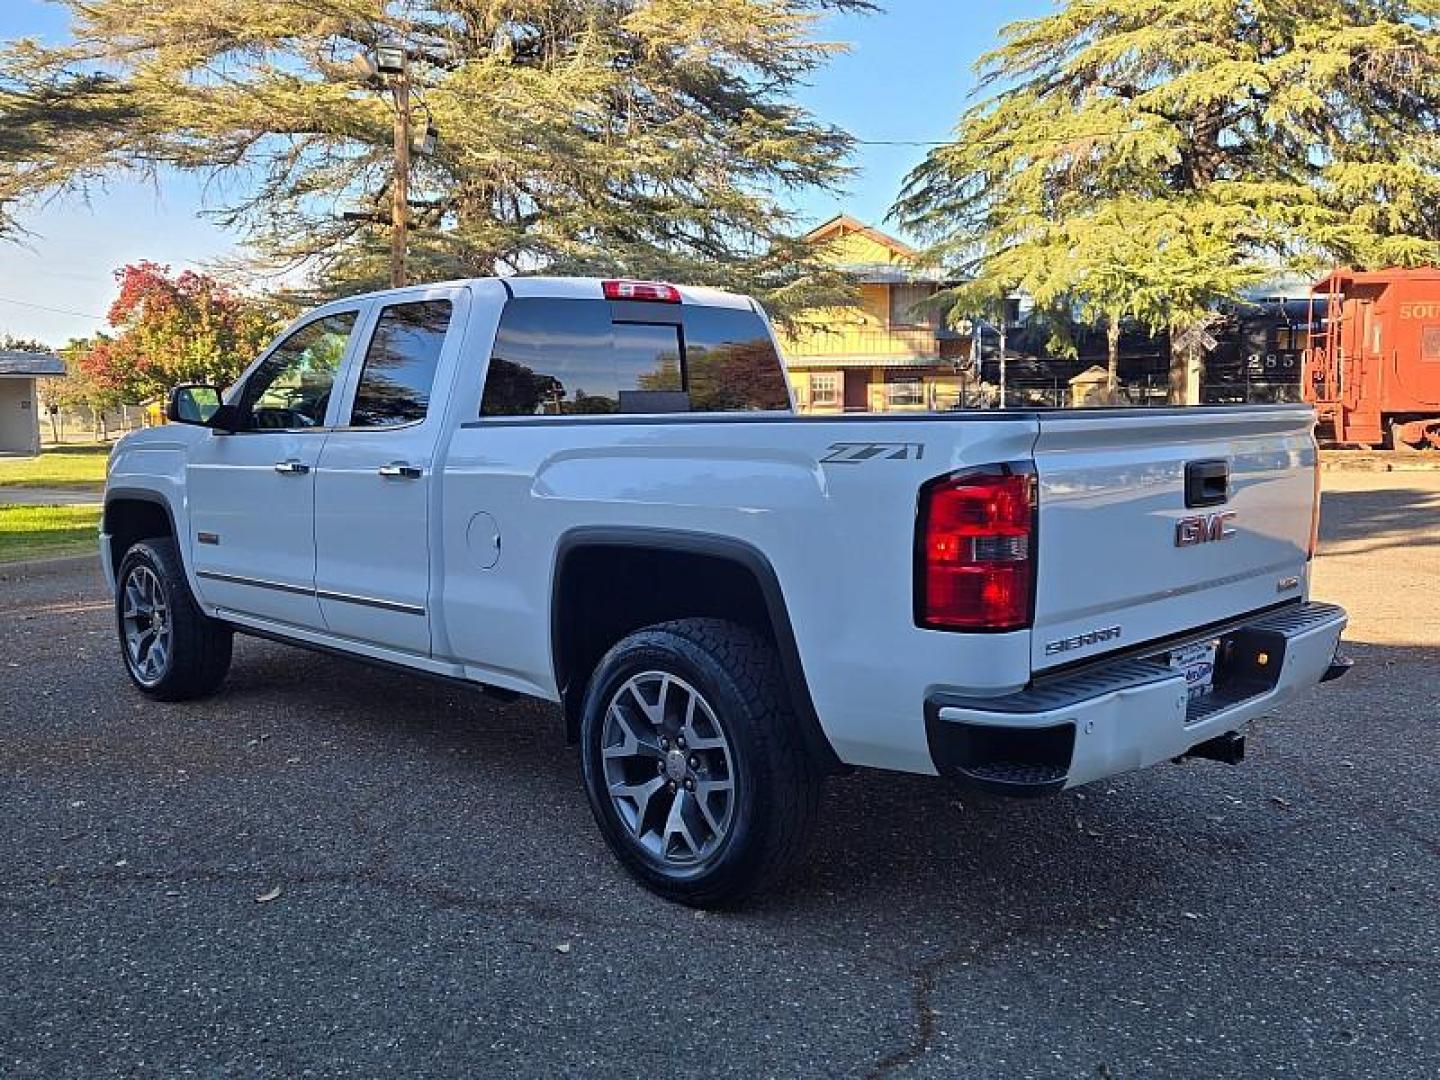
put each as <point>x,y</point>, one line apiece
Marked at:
<point>850,342</point>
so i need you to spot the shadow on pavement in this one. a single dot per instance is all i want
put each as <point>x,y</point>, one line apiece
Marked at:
<point>1404,517</point>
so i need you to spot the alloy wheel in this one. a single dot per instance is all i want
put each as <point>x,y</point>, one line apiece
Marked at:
<point>668,769</point>
<point>145,624</point>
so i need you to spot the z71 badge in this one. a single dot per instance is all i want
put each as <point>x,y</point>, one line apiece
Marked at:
<point>857,453</point>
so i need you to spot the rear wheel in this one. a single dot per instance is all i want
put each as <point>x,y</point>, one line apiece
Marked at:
<point>172,650</point>
<point>693,762</point>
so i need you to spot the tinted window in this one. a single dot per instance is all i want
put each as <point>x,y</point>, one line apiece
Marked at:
<point>647,356</point>
<point>565,357</point>
<point>400,364</point>
<point>552,357</point>
<point>291,389</point>
<point>731,363</point>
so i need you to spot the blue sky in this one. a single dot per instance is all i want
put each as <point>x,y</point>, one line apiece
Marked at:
<point>906,78</point>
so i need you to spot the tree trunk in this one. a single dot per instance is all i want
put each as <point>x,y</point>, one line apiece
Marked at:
<point>1186,357</point>
<point>1112,347</point>
<point>1206,152</point>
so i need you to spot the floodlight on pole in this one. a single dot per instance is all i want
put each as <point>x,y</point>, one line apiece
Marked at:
<point>423,142</point>
<point>390,62</point>
<point>390,59</point>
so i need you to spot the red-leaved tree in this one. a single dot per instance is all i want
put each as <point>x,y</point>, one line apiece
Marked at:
<point>171,329</point>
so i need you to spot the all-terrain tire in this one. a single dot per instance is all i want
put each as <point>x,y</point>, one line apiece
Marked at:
<point>776,788</point>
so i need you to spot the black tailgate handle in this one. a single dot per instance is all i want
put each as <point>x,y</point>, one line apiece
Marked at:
<point>1207,483</point>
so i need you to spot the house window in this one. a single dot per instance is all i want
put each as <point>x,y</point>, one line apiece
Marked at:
<point>825,389</point>
<point>905,391</point>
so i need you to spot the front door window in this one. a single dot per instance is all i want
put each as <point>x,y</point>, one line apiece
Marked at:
<point>291,389</point>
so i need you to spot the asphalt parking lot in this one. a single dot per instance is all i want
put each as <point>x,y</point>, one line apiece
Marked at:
<point>440,902</point>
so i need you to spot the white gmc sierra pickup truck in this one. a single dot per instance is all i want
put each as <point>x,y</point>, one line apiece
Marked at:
<point>596,493</point>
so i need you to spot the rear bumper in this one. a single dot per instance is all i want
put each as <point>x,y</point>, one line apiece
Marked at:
<point>1065,732</point>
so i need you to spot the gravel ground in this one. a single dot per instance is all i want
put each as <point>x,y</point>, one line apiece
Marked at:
<point>443,905</point>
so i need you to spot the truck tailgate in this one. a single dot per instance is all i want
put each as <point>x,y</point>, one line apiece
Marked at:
<point>1123,560</point>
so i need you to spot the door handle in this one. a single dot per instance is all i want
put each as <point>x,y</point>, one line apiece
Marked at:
<point>402,471</point>
<point>292,467</point>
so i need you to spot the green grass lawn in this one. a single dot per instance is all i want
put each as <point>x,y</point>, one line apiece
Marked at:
<point>78,467</point>
<point>39,532</point>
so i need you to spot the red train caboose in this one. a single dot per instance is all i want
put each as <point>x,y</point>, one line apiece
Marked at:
<point>1374,371</point>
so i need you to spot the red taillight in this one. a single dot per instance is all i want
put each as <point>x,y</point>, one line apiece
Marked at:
<point>974,566</point>
<point>1315,516</point>
<point>641,290</point>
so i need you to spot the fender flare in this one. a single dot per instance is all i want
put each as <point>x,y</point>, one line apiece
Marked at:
<point>145,495</point>
<point>134,494</point>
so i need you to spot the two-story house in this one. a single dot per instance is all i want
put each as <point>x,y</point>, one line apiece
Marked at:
<point>889,351</point>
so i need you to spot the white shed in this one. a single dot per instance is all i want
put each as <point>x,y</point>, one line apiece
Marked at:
<point>19,406</point>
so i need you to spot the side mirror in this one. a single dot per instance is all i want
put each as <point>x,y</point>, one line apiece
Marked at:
<point>200,405</point>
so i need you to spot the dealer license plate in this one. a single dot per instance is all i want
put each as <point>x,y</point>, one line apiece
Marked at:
<point>1198,664</point>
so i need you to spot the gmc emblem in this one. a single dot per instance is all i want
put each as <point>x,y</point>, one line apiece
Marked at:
<point>1204,529</point>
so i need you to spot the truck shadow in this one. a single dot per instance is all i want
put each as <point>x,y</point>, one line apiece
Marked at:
<point>899,862</point>
<point>1350,758</point>
<point>900,842</point>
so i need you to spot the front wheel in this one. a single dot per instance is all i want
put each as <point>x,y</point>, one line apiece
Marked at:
<point>172,650</point>
<point>693,761</point>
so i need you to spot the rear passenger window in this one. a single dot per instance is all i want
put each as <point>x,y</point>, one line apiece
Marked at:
<point>400,364</point>
<point>559,357</point>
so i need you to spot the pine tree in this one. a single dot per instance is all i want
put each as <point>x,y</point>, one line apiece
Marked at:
<point>1148,159</point>
<point>54,136</point>
<point>652,138</point>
